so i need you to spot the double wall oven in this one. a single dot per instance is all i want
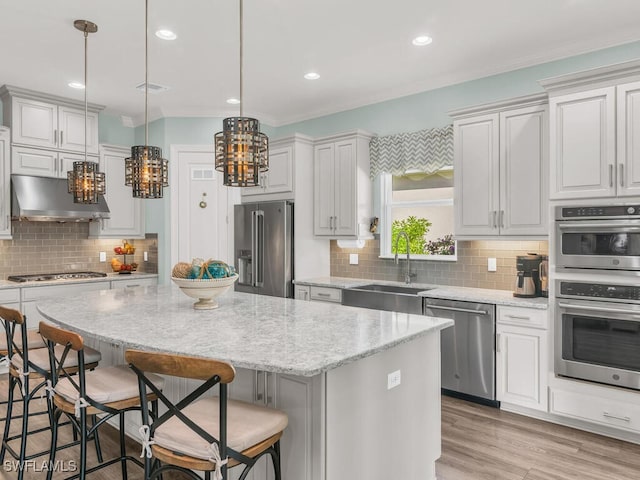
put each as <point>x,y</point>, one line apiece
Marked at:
<point>597,294</point>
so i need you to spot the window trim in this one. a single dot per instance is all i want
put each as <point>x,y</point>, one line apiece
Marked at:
<point>386,191</point>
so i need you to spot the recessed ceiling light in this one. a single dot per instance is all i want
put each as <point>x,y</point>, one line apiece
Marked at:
<point>233,101</point>
<point>77,85</point>
<point>311,76</point>
<point>422,40</point>
<point>166,35</point>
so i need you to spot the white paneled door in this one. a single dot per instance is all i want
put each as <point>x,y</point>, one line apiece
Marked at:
<point>201,220</point>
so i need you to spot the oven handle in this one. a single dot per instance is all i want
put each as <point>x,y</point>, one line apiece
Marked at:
<point>633,313</point>
<point>627,225</point>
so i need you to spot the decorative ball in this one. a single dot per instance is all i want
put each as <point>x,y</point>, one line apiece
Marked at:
<point>181,270</point>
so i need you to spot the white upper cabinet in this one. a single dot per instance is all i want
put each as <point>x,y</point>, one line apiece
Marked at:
<point>44,163</point>
<point>342,187</point>
<point>46,131</point>
<point>628,108</point>
<point>500,169</point>
<point>277,182</point>
<point>71,130</point>
<point>47,125</point>
<point>5,191</point>
<point>594,120</point>
<point>34,123</point>
<point>583,147</point>
<point>127,218</point>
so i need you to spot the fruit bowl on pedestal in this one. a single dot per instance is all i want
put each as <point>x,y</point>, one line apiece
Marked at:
<point>205,290</point>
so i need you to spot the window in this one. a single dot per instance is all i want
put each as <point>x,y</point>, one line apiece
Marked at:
<point>422,205</point>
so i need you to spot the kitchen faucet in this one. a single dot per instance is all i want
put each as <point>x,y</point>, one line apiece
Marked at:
<point>408,274</point>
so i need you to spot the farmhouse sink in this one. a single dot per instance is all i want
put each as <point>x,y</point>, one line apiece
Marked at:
<point>394,298</point>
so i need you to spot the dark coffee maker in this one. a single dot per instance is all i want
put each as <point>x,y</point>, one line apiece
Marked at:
<point>528,276</point>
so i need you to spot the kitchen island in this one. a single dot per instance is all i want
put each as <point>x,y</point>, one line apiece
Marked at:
<point>361,387</point>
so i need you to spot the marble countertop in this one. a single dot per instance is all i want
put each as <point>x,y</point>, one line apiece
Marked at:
<point>110,276</point>
<point>445,292</point>
<point>251,331</point>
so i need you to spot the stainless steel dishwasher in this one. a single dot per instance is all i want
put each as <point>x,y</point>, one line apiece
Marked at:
<point>468,349</point>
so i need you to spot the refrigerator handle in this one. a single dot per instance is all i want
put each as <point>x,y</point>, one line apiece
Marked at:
<point>257,247</point>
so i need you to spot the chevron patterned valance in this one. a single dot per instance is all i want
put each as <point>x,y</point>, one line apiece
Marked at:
<point>427,151</point>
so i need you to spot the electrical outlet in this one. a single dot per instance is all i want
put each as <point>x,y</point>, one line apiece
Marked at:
<point>145,256</point>
<point>353,259</point>
<point>492,266</point>
<point>393,379</point>
<point>103,256</point>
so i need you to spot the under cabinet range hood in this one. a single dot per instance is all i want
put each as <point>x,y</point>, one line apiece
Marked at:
<point>47,199</point>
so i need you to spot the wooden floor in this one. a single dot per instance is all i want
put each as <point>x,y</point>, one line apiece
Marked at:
<point>481,443</point>
<point>478,443</point>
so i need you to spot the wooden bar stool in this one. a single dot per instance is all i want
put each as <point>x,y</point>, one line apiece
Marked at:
<point>109,392</point>
<point>29,371</point>
<point>208,434</point>
<point>34,340</point>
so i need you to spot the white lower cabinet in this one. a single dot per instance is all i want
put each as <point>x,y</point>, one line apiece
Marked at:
<point>296,396</point>
<point>302,292</point>
<point>326,294</point>
<point>30,296</point>
<point>318,294</point>
<point>588,402</point>
<point>521,357</point>
<point>133,282</point>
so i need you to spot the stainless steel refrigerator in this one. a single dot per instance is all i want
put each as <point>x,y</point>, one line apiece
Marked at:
<point>263,248</point>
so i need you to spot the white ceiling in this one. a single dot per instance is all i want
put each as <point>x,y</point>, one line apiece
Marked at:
<point>361,48</point>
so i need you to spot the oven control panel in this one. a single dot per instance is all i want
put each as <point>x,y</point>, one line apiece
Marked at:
<point>600,290</point>
<point>610,211</point>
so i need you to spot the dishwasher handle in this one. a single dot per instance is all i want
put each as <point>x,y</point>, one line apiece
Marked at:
<point>456,309</point>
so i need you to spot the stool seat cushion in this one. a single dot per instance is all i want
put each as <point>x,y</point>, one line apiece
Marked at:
<point>247,425</point>
<point>106,385</point>
<point>40,357</point>
<point>34,340</point>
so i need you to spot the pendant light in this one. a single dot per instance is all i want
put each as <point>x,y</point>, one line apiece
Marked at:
<point>242,151</point>
<point>146,171</point>
<point>84,181</point>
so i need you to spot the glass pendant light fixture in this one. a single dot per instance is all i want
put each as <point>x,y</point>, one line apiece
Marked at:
<point>242,151</point>
<point>84,181</point>
<point>146,171</point>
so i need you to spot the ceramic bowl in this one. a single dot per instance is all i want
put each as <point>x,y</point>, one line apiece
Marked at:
<point>205,290</point>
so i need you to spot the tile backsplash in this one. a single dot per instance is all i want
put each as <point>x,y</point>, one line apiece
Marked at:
<point>51,247</point>
<point>470,269</point>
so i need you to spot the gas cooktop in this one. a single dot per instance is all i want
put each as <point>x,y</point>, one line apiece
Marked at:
<point>47,277</point>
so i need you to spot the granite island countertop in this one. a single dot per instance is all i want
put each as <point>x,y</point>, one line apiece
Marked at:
<point>251,331</point>
<point>445,292</point>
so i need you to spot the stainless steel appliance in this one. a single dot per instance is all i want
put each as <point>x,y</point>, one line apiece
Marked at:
<point>597,329</point>
<point>263,246</point>
<point>48,277</point>
<point>48,199</point>
<point>468,349</point>
<point>600,237</point>
<point>527,275</point>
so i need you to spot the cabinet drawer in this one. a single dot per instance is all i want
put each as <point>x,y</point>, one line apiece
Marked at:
<point>133,282</point>
<point>525,317</point>
<point>325,294</point>
<point>613,413</point>
<point>36,293</point>
<point>9,295</point>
